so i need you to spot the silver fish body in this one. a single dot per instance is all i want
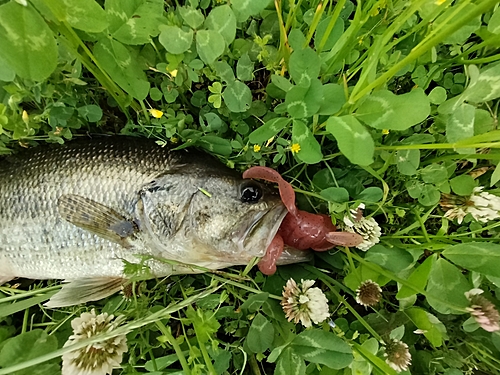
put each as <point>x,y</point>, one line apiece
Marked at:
<point>79,210</point>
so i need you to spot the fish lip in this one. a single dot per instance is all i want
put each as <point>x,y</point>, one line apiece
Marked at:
<point>278,213</point>
<point>292,255</point>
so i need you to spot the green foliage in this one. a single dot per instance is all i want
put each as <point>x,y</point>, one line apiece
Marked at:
<point>476,256</point>
<point>446,287</point>
<point>34,60</point>
<point>260,335</point>
<point>384,110</point>
<point>353,139</point>
<point>394,106</point>
<point>26,346</point>
<point>175,40</point>
<point>209,45</point>
<point>237,96</point>
<point>322,347</point>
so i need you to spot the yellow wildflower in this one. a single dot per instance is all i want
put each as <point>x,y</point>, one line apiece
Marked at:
<point>439,2</point>
<point>256,148</point>
<point>295,148</point>
<point>385,131</point>
<point>25,117</point>
<point>156,113</point>
<point>173,73</point>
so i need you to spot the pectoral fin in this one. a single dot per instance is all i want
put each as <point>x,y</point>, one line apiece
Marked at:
<point>96,218</point>
<point>78,291</point>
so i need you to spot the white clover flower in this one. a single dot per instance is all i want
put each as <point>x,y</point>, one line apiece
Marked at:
<point>485,205</point>
<point>368,293</point>
<point>483,311</point>
<point>397,355</point>
<point>367,228</point>
<point>97,358</point>
<point>303,303</point>
<point>481,205</point>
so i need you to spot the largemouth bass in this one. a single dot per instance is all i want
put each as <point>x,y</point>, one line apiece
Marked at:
<point>78,211</point>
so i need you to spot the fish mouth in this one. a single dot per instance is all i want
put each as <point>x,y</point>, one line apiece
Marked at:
<point>262,229</point>
<point>291,255</point>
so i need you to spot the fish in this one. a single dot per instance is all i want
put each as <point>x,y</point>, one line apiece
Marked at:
<point>81,211</point>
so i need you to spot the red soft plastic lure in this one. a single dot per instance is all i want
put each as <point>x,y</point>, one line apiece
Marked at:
<point>300,229</point>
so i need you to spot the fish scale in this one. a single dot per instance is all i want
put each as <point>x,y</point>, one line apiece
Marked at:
<point>35,240</point>
<point>77,211</point>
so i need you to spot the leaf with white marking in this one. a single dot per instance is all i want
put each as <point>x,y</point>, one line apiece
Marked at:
<point>237,97</point>
<point>482,257</point>
<point>134,21</point>
<point>323,347</point>
<point>27,44</point>
<point>353,139</point>
<point>192,17</point>
<point>446,288</point>
<point>494,22</point>
<point>485,88</point>
<point>310,149</point>
<point>86,15</point>
<point>384,110</point>
<point>244,68</point>
<point>260,335</point>
<point>175,40</point>
<point>304,101</point>
<point>290,363</point>
<point>210,45</point>
<point>408,161</point>
<point>222,20</point>
<point>117,61</point>
<point>224,71</point>
<point>246,8</point>
<point>304,66</point>
<point>268,130</point>
<point>460,125</point>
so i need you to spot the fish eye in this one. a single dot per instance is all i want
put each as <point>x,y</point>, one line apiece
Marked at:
<point>250,192</point>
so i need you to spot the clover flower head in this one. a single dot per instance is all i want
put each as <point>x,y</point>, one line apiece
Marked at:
<point>368,293</point>
<point>483,311</point>
<point>483,206</point>
<point>397,355</point>
<point>304,303</point>
<point>367,228</point>
<point>97,358</point>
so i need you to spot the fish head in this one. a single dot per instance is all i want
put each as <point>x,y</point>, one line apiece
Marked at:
<point>239,219</point>
<point>218,218</point>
